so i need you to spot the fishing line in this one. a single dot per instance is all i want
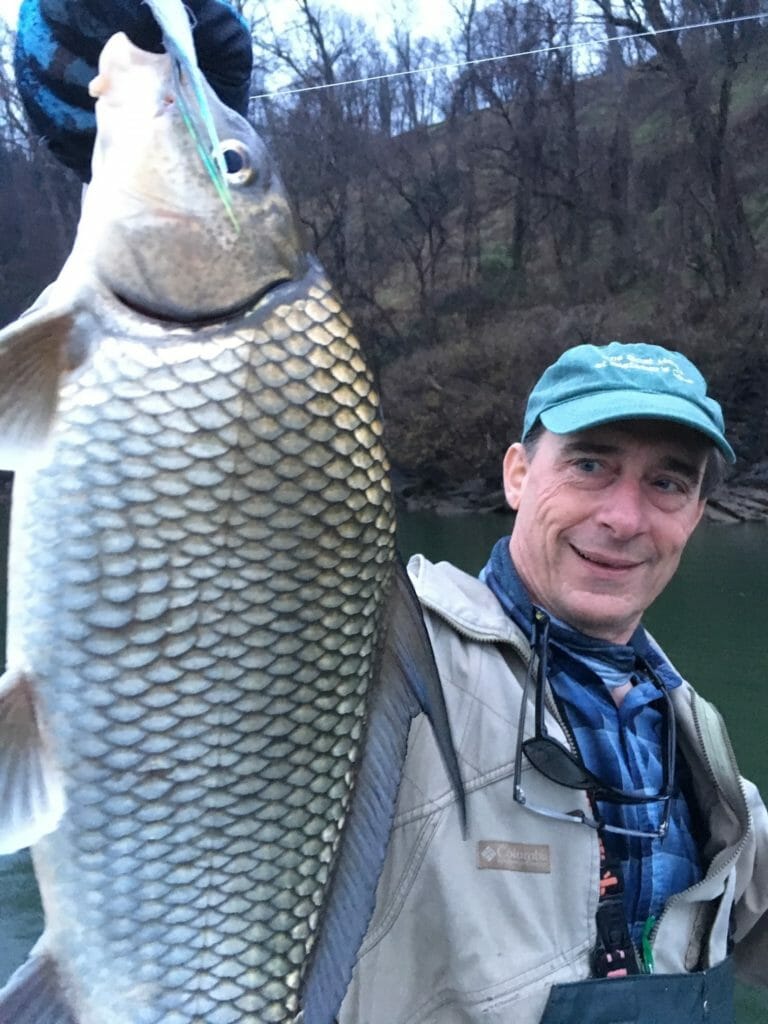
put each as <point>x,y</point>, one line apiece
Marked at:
<point>508,56</point>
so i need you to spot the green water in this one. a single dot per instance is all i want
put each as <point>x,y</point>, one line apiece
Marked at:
<point>710,621</point>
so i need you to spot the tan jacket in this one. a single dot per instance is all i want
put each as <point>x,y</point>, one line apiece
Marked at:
<point>477,930</point>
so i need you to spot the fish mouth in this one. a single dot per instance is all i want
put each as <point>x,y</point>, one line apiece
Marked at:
<point>605,562</point>
<point>201,318</point>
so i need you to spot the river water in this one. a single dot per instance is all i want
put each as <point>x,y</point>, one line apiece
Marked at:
<point>711,621</point>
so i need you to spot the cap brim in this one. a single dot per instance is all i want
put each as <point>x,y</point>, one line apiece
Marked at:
<point>590,411</point>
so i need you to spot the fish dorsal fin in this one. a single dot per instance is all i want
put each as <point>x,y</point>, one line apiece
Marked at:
<point>410,648</point>
<point>35,351</point>
<point>31,791</point>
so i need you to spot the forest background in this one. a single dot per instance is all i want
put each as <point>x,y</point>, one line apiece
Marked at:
<point>565,173</point>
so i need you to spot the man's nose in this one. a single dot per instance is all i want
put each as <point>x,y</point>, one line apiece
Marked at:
<point>623,510</point>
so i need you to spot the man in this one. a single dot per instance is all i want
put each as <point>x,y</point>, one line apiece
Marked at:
<point>616,866</point>
<point>615,859</point>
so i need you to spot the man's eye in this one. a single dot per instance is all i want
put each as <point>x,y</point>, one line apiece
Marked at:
<point>588,465</point>
<point>669,486</point>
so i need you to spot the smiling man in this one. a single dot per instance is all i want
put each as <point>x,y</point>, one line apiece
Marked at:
<point>616,869</point>
<point>603,516</point>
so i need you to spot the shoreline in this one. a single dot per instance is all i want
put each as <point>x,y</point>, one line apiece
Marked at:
<point>739,503</point>
<point>735,502</point>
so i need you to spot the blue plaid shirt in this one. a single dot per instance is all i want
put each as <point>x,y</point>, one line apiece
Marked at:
<point>622,745</point>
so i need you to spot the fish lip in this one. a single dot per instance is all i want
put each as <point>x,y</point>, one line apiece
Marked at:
<point>604,562</point>
<point>210,317</point>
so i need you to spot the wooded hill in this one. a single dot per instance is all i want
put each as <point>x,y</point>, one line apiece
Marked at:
<point>481,219</point>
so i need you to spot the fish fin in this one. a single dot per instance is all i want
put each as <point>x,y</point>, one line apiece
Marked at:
<point>31,792</point>
<point>172,17</point>
<point>408,683</point>
<point>411,647</point>
<point>35,351</point>
<point>35,995</point>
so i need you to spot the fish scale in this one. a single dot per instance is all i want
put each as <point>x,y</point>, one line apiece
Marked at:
<point>201,684</point>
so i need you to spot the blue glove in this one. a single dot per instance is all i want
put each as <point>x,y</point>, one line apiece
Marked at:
<point>58,44</point>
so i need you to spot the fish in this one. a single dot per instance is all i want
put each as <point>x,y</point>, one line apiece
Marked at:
<point>214,653</point>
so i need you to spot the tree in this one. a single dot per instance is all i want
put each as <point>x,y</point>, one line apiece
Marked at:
<point>621,268</point>
<point>423,193</point>
<point>707,107</point>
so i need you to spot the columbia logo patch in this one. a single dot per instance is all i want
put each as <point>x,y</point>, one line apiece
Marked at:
<point>496,855</point>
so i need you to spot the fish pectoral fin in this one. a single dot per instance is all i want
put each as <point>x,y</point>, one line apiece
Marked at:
<point>34,994</point>
<point>409,652</point>
<point>31,792</point>
<point>35,351</point>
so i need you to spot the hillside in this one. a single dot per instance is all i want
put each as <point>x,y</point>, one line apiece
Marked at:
<point>518,208</point>
<point>454,377</point>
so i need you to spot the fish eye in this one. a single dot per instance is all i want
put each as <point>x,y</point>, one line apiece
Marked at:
<point>237,158</point>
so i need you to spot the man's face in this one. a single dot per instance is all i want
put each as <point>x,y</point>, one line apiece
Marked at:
<point>603,516</point>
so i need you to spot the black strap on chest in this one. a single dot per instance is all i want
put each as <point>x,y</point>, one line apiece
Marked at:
<point>614,955</point>
<point>703,997</point>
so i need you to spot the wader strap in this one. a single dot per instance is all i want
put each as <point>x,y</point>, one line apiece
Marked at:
<point>704,997</point>
<point>614,955</point>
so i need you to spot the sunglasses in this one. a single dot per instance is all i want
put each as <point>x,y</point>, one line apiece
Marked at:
<point>562,766</point>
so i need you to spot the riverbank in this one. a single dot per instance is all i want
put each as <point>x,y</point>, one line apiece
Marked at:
<point>740,501</point>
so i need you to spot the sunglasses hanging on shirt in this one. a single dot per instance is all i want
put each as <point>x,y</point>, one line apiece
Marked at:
<point>562,766</point>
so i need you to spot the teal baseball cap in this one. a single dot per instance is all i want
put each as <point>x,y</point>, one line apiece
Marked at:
<point>594,384</point>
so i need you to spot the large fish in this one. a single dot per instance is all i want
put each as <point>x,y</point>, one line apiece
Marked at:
<point>213,656</point>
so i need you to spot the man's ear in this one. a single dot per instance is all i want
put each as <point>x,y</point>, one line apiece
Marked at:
<point>515,472</point>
